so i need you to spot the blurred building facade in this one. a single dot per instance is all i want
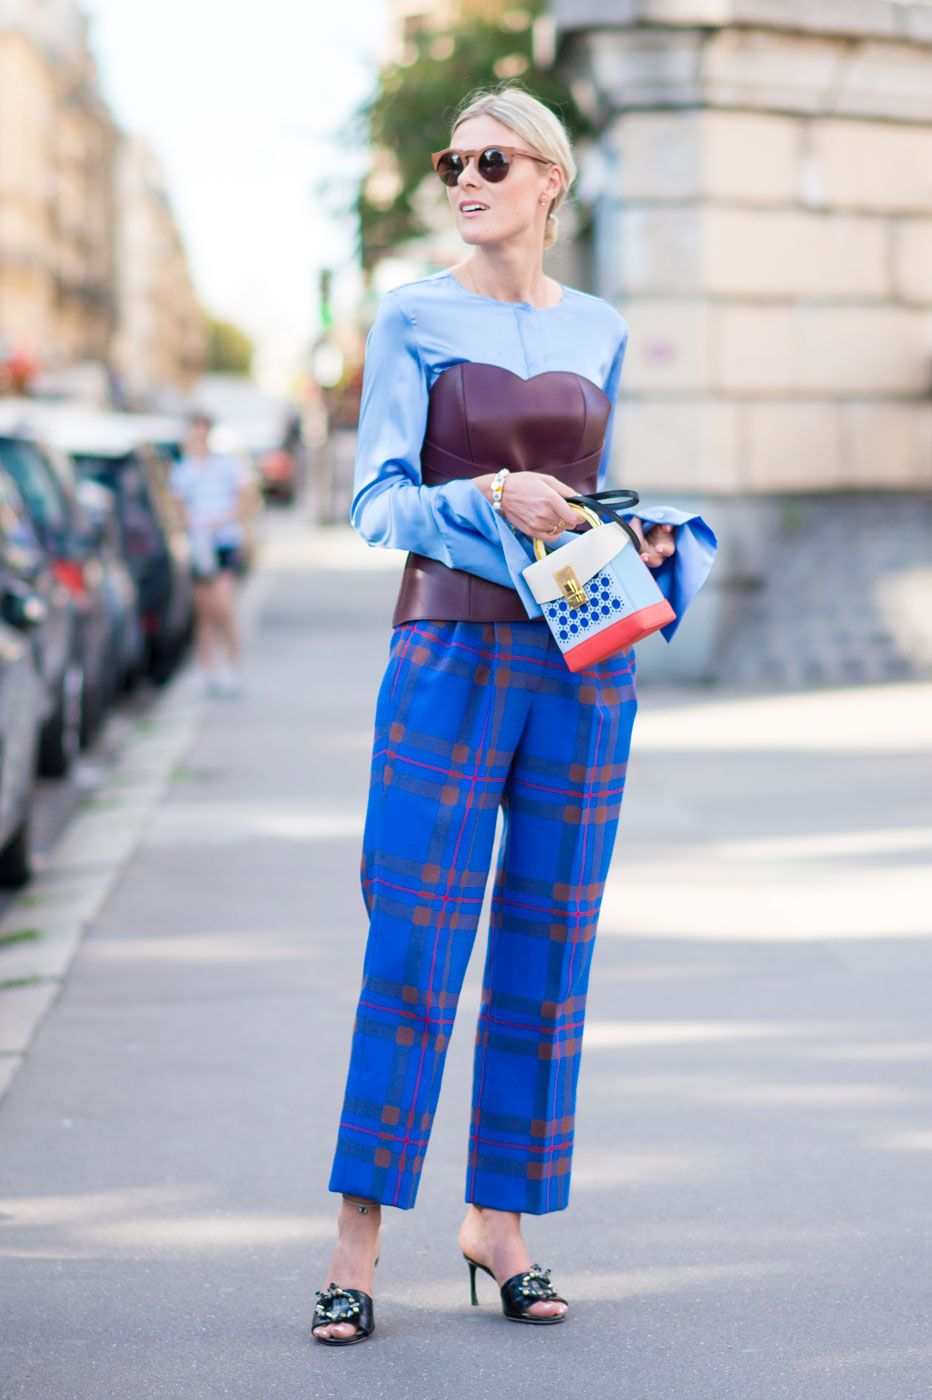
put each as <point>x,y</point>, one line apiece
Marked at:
<point>63,242</point>
<point>406,18</point>
<point>764,222</point>
<point>160,344</point>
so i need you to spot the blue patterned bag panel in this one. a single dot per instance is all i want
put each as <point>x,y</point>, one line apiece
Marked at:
<point>608,600</point>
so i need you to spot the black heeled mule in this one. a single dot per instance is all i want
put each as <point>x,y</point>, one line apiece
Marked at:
<point>520,1292</point>
<point>335,1304</point>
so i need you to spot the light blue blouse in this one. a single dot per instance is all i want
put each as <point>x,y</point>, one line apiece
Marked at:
<point>422,328</point>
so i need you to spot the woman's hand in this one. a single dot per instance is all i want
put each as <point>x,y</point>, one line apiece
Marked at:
<point>658,544</point>
<point>534,502</point>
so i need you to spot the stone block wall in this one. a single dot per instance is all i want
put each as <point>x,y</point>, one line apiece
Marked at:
<point>773,264</point>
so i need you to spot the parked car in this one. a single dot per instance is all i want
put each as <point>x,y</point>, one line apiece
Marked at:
<point>46,481</point>
<point>23,613</point>
<point>106,448</point>
<point>59,650</point>
<point>127,641</point>
<point>163,431</point>
<point>25,583</point>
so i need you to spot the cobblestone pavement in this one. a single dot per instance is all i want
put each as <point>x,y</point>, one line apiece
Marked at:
<point>847,598</point>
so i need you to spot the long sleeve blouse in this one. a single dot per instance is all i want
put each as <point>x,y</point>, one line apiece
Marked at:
<point>422,328</point>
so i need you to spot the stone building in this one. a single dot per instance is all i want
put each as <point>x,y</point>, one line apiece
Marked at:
<point>57,140</point>
<point>161,339</point>
<point>93,274</point>
<point>763,220</point>
<point>86,215</point>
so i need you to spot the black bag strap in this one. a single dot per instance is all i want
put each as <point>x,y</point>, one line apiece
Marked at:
<point>608,503</point>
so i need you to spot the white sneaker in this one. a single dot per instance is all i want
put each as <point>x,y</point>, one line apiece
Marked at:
<point>229,683</point>
<point>202,682</point>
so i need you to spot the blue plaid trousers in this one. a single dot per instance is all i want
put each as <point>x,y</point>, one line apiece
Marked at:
<point>471,717</point>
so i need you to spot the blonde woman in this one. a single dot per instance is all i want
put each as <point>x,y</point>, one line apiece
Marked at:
<point>487,401</point>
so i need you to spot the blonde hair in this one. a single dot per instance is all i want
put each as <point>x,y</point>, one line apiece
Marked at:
<point>536,125</point>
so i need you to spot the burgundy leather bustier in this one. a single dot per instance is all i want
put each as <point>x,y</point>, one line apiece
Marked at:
<point>481,418</point>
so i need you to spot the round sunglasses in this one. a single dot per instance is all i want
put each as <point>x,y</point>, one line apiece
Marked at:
<point>493,163</point>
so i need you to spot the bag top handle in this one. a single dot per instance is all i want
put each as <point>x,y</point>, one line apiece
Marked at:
<point>607,504</point>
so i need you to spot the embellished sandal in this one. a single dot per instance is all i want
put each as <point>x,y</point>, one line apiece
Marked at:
<point>343,1305</point>
<point>520,1292</point>
<point>336,1304</point>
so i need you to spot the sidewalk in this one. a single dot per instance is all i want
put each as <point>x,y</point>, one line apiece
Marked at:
<point>750,1213</point>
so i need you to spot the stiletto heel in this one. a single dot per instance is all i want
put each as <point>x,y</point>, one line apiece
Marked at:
<point>474,1297</point>
<point>520,1292</point>
<point>473,1266</point>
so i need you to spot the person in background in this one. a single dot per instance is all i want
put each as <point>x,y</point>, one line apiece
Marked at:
<point>214,500</point>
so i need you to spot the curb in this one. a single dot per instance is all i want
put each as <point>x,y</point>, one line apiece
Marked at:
<point>44,926</point>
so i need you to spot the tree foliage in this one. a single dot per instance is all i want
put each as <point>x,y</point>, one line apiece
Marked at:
<point>229,349</point>
<point>410,112</point>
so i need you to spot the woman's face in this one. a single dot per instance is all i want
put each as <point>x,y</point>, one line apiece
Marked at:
<point>510,207</point>
<point>198,436</point>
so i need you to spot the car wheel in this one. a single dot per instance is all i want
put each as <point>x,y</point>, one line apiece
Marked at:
<point>161,663</point>
<point>15,862</point>
<point>61,735</point>
<point>131,677</point>
<point>91,714</point>
<point>99,699</point>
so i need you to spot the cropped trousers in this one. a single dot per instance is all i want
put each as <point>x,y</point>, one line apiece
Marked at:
<point>472,717</point>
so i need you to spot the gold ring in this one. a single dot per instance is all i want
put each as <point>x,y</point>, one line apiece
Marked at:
<point>540,548</point>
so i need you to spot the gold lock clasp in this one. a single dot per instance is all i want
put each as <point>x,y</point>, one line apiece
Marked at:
<point>572,589</point>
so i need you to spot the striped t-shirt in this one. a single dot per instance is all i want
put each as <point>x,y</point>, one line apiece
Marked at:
<point>209,486</point>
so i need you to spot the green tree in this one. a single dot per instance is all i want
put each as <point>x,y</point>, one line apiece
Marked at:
<point>229,349</point>
<point>409,113</point>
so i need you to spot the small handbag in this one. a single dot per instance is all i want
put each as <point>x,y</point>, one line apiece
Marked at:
<point>596,593</point>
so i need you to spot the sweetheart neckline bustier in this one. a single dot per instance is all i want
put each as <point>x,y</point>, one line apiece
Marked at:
<point>482,417</point>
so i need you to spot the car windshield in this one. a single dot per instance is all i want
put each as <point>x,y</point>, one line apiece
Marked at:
<point>122,475</point>
<point>19,540</point>
<point>37,484</point>
<point>94,467</point>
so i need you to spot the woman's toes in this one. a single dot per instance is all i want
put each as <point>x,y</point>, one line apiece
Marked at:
<point>334,1329</point>
<point>343,1329</point>
<point>547,1309</point>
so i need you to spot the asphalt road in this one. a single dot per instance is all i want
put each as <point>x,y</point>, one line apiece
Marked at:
<point>750,1213</point>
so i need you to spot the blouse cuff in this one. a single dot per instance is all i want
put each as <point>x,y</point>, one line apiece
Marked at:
<point>680,577</point>
<point>464,519</point>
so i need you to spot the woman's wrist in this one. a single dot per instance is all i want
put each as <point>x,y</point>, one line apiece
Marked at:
<point>484,484</point>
